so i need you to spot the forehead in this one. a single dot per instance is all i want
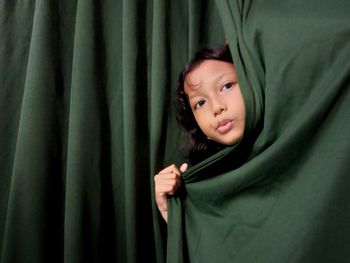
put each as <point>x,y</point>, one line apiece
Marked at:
<point>208,72</point>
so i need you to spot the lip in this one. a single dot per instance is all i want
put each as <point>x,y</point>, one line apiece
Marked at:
<point>224,126</point>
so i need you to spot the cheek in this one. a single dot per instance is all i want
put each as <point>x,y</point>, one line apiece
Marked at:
<point>239,106</point>
<point>243,110</point>
<point>197,118</point>
<point>201,120</point>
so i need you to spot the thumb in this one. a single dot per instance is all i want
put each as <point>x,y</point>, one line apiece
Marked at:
<point>183,167</point>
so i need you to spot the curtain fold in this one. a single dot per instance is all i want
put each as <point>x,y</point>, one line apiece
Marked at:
<point>86,120</point>
<point>287,201</point>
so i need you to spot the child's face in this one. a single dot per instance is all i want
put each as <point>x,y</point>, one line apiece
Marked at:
<point>216,101</point>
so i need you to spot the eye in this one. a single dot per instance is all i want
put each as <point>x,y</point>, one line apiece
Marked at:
<point>228,85</point>
<point>199,104</point>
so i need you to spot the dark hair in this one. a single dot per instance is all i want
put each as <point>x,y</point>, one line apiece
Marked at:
<point>197,147</point>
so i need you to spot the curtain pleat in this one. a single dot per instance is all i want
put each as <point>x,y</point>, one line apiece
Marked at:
<point>86,119</point>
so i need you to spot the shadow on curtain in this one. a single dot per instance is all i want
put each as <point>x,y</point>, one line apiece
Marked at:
<point>86,120</point>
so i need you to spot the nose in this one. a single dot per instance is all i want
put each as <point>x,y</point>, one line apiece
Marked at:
<point>218,107</point>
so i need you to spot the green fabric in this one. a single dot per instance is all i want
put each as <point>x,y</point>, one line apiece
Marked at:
<point>282,194</point>
<point>86,121</point>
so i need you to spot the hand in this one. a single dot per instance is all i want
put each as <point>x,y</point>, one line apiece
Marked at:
<point>167,181</point>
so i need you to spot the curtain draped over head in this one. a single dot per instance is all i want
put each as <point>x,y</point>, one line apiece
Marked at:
<point>86,120</point>
<point>288,200</point>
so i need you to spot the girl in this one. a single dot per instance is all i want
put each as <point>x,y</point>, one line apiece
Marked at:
<point>211,110</point>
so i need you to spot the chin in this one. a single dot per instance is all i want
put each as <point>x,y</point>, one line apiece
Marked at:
<point>233,141</point>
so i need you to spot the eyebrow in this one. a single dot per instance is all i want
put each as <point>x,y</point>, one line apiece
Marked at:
<point>215,81</point>
<point>221,77</point>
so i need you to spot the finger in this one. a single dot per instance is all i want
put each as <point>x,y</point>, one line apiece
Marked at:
<point>167,177</point>
<point>168,183</point>
<point>170,178</point>
<point>166,189</point>
<point>183,167</point>
<point>170,169</point>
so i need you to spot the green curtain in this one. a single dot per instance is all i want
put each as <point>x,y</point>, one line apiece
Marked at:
<point>282,193</point>
<point>86,120</point>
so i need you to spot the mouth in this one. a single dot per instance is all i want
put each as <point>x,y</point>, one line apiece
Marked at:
<point>224,126</point>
